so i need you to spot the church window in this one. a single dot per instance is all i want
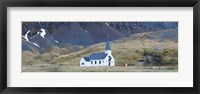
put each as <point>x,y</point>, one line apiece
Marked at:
<point>91,62</point>
<point>99,62</point>
<point>95,62</point>
<point>82,63</point>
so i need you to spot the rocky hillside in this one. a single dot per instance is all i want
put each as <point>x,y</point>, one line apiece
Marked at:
<point>41,36</point>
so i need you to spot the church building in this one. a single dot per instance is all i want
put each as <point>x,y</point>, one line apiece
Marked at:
<point>99,59</point>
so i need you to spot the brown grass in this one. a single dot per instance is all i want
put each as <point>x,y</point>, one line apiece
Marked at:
<point>65,68</point>
<point>123,50</point>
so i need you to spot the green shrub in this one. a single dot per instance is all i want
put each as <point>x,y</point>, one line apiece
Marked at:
<point>161,57</point>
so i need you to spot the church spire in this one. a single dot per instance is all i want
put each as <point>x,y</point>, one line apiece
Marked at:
<point>108,48</point>
<point>108,44</point>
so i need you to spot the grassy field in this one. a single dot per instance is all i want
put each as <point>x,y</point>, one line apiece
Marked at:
<point>126,50</point>
<point>63,68</point>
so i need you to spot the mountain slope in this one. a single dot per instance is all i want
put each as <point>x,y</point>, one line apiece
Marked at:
<point>45,35</point>
<point>124,47</point>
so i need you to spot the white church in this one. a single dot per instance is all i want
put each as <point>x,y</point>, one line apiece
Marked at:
<point>99,59</point>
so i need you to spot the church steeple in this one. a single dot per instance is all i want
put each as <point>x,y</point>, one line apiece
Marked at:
<point>108,48</point>
<point>108,45</point>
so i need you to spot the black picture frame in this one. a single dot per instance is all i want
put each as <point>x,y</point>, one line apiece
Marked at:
<point>100,3</point>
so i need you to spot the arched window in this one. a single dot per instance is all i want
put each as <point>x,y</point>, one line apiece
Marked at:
<point>99,62</point>
<point>91,62</point>
<point>95,62</point>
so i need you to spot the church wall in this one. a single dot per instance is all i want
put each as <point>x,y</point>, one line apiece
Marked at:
<point>112,61</point>
<point>85,62</point>
<point>97,63</point>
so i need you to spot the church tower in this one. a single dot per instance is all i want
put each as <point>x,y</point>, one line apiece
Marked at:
<point>107,49</point>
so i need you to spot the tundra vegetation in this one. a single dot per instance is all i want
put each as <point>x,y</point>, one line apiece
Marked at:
<point>141,52</point>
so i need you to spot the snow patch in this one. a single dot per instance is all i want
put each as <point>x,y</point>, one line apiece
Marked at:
<point>35,44</point>
<point>42,33</point>
<point>36,34</point>
<point>86,31</point>
<point>26,35</point>
<point>56,41</point>
<point>26,38</point>
<point>107,24</point>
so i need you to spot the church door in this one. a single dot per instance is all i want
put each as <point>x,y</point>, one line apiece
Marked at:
<point>109,60</point>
